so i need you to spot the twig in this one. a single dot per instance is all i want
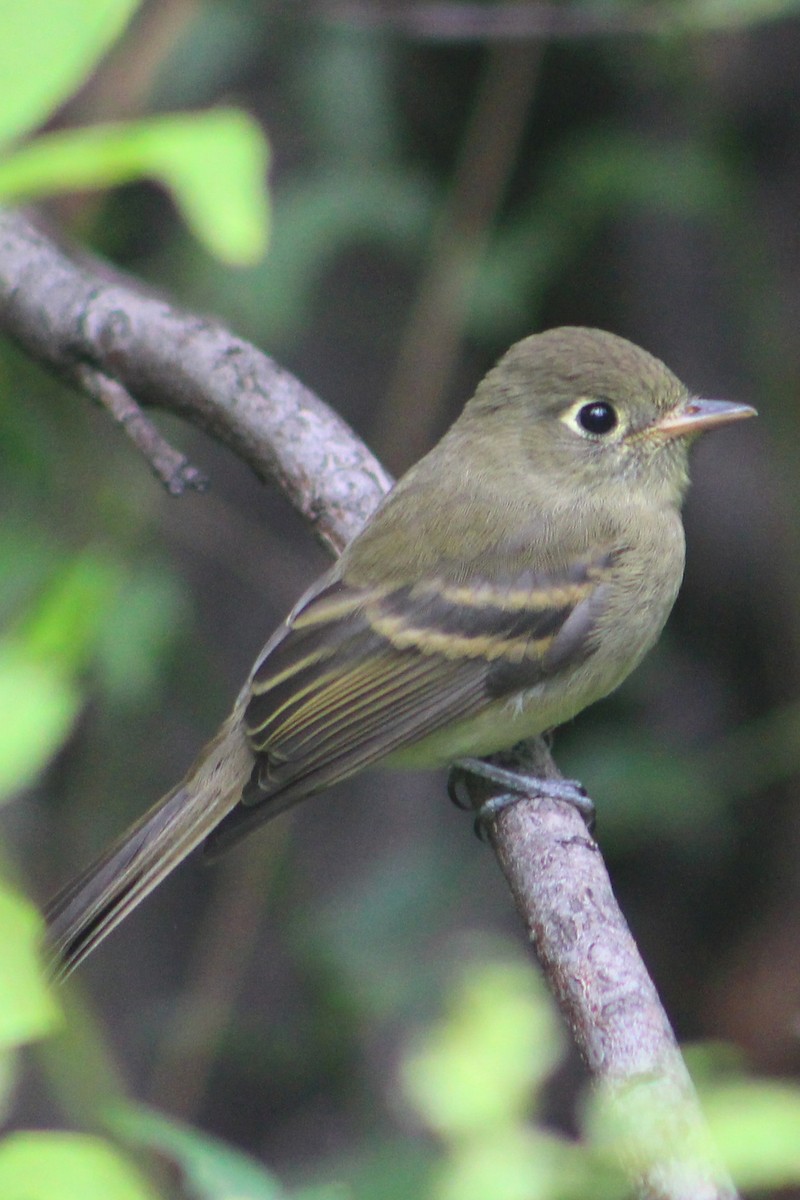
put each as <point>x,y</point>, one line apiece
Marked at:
<point>67,316</point>
<point>168,464</point>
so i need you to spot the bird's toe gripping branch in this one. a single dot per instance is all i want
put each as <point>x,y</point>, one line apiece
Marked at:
<point>516,785</point>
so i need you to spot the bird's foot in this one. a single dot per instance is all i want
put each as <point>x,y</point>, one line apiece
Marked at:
<point>516,785</point>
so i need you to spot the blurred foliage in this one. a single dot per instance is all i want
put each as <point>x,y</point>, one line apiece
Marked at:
<point>476,1077</point>
<point>481,1069</point>
<point>301,1002</point>
<point>27,1010</point>
<point>48,55</point>
<point>213,163</point>
<point>209,1169</point>
<point>41,1166</point>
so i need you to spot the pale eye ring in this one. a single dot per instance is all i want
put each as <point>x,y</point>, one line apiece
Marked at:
<point>597,417</point>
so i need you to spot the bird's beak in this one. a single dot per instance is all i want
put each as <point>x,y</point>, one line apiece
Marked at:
<point>693,416</point>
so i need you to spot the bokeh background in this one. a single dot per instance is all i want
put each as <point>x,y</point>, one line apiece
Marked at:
<point>438,193</point>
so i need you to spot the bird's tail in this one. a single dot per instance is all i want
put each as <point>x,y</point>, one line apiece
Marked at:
<point>81,916</point>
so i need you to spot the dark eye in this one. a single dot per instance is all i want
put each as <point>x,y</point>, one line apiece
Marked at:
<point>598,417</point>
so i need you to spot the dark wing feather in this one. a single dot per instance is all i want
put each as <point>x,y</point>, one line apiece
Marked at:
<point>359,673</point>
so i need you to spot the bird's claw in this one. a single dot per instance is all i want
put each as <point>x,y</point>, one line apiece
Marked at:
<point>517,785</point>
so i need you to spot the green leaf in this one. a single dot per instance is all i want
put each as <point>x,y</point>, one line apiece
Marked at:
<point>39,706</point>
<point>478,1069</point>
<point>39,693</point>
<point>27,1009</point>
<point>214,164</point>
<point>47,48</point>
<point>67,1166</point>
<point>212,1170</point>
<point>526,1164</point>
<point>757,1129</point>
<point>62,627</point>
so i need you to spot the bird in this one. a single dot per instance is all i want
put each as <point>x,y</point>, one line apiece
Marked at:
<point>514,575</point>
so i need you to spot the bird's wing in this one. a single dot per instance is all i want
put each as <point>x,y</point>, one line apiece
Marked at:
<point>362,672</point>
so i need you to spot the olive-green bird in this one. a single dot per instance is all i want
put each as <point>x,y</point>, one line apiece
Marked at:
<point>513,576</point>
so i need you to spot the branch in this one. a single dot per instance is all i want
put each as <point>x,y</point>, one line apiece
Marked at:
<point>562,891</point>
<point>89,324</point>
<point>74,316</point>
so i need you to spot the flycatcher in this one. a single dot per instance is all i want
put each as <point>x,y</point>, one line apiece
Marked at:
<point>513,576</point>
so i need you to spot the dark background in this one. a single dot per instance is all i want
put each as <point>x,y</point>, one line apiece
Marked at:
<point>435,199</point>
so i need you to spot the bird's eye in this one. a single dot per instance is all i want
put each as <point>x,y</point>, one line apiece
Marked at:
<point>597,417</point>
